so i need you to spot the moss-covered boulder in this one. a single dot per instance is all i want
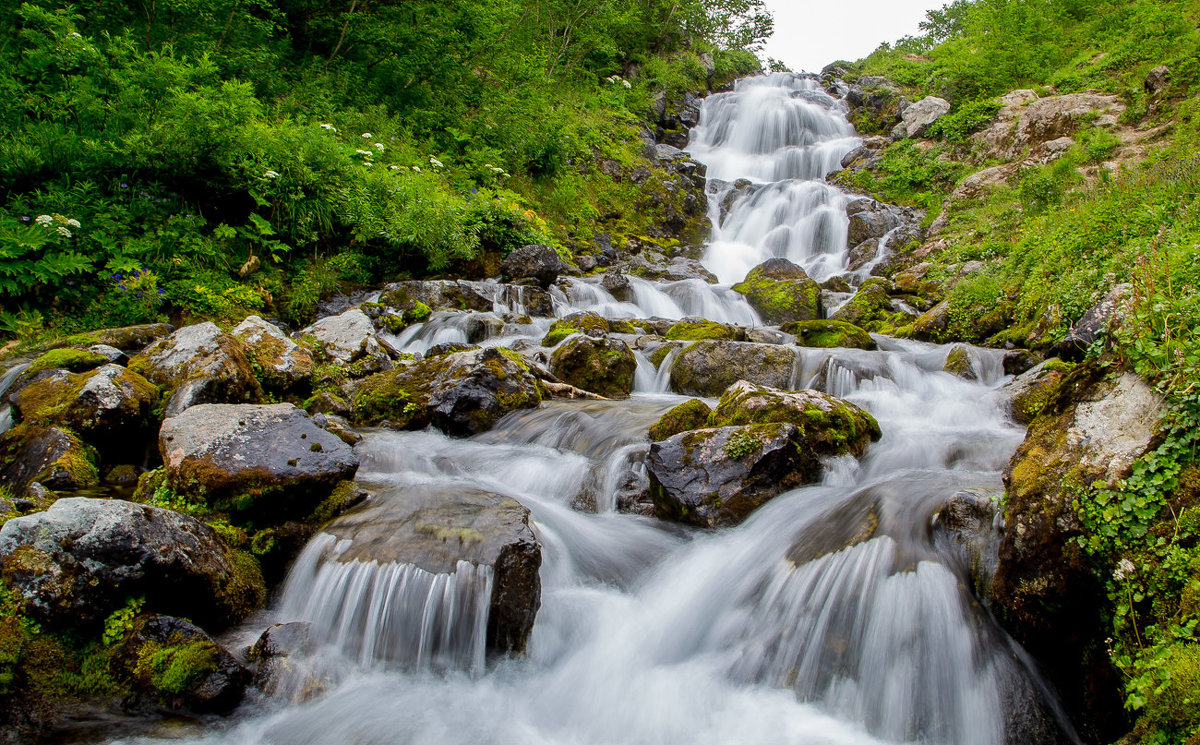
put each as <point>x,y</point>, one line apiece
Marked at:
<point>181,668</point>
<point>271,460</point>
<point>781,292</point>
<point>718,476</point>
<point>198,364</point>
<point>689,415</point>
<point>349,339</point>
<point>829,334</point>
<point>707,368</point>
<point>440,294</point>
<point>111,407</point>
<point>1031,392</point>
<point>959,363</point>
<point>280,363</point>
<point>695,329</point>
<point>463,393</point>
<point>67,358</point>
<point>51,456</point>
<point>871,308</point>
<point>82,559</point>
<point>603,366</point>
<point>827,425</point>
<point>128,339</point>
<point>931,325</point>
<point>1091,431</point>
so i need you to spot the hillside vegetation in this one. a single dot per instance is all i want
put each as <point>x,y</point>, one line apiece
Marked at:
<point>1028,252</point>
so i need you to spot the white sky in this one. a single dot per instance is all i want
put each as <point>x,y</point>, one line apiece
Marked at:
<point>810,34</point>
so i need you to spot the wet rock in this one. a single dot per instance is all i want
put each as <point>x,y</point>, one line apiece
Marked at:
<point>349,338</point>
<point>445,294</point>
<point>276,669</point>
<point>112,354</point>
<point>870,220</point>
<point>916,118</point>
<point>763,335</point>
<point>707,368</point>
<point>689,415</point>
<point>51,456</point>
<point>1017,361</point>
<point>933,324</point>
<point>781,292</point>
<point>617,284</point>
<point>183,668</point>
<point>196,365</point>
<point>717,477</point>
<point>871,308</point>
<point>829,334</point>
<point>81,559</point>
<point>603,366</point>
<point>127,338</point>
<point>533,262</point>
<point>462,394</point>
<point>275,452</point>
<point>1096,324</point>
<point>1030,392</point>
<point>1045,593</point>
<point>678,269</point>
<point>434,531</point>
<point>959,364</point>
<point>694,329</point>
<point>827,425</point>
<point>967,526</point>
<point>283,362</point>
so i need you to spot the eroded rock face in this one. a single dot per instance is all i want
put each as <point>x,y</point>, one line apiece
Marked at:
<point>534,262</point>
<point>198,364</point>
<point>80,560</point>
<point>1099,321</point>
<point>916,118</point>
<point>463,393</point>
<point>275,451</point>
<point>603,366</point>
<point>781,292</point>
<point>718,476</point>
<point>707,368</point>
<point>434,531</point>
<point>1092,430</point>
<point>283,362</point>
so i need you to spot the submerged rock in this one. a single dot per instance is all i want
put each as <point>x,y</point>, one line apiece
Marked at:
<point>196,365</point>
<point>266,458</point>
<point>603,366</point>
<point>81,559</point>
<point>707,368</point>
<point>781,292</point>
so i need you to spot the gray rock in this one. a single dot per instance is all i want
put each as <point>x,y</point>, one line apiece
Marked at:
<point>534,261</point>
<point>603,366</point>
<point>1157,79</point>
<point>80,560</point>
<point>217,686</point>
<point>445,294</point>
<point>112,354</point>
<point>198,364</point>
<point>434,531</point>
<point>718,476</point>
<point>349,338</point>
<point>110,406</point>
<point>967,526</point>
<point>1096,323</point>
<point>283,362</point>
<point>277,652</point>
<point>617,284</point>
<point>916,118</point>
<point>50,455</point>
<point>220,451</point>
<point>707,368</point>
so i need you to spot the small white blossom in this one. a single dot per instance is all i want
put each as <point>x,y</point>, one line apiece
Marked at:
<point>1125,568</point>
<point>368,163</point>
<point>367,136</point>
<point>436,163</point>
<point>73,224</point>
<point>379,146</point>
<point>626,84</point>
<point>76,35</point>
<point>64,232</point>
<point>329,128</point>
<point>45,220</point>
<point>364,153</point>
<point>417,169</point>
<point>394,168</point>
<point>271,175</point>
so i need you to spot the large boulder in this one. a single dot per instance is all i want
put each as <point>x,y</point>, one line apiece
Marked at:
<point>718,476</point>
<point>917,118</point>
<point>283,364</point>
<point>51,456</point>
<point>182,668</point>
<point>1057,116</point>
<point>112,407</point>
<point>827,425</point>
<point>349,338</point>
<point>1091,431</point>
<point>126,338</point>
<point>781,292</point>
<point>707,368</point>
<point>266,457</point>
<point>604,366</point>
<point>82,559</point>
<point>463,393</point>
<point>436,531</point>
<point>695,329</point>
<point>198,364</point>
<point>441,294</point>
<point>533,262</point>
<point>1029,393</point>
<point>871,308</point>
<point>829,334</point>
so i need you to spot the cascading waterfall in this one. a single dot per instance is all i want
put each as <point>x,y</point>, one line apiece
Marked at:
<point>833,616</point>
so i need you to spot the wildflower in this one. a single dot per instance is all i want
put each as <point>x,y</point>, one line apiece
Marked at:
<point>329,128</point>
<point>73,224</point>
<point>436,163</point>
<point>124,186</point>
<point>364,153</point>
<point>394,168</point>
<point>46,220</point>
<point>417,169</point>
<point>76,35</point>
<point>270,175</point>
<point>368,136</point>
<point>368,163</point>
<point>64,232</point>
<point>25,218</point>
<point>1125,568</point>
<point>626,84</point>
<point>379,146</point>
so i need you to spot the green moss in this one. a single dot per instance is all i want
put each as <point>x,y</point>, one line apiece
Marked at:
<point>741,444</point>
<point>660,354</point>
<point>691,414</point>
<point>829,334</point>
<point>344,496</point>
<point>390,395</point>
<point>871,309</point>
<point>176,669</point>
<point>245,592</point>
<point>829,426</point>
<point>75,360</point>
<point>602,366</point>
<point>696,329</point>
<point>556,335</point>
<point>781,301</point>
<point>419,313</point>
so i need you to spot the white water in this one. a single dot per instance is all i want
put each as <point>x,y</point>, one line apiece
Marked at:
<point>830,617</point>
<point>6,381</point>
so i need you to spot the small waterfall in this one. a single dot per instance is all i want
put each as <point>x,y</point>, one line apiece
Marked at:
<point>394,615</point>
<point>671,300</point>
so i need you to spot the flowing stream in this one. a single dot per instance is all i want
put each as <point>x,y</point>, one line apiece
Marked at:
<point>835,614</point>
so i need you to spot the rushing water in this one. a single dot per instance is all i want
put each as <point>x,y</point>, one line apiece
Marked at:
<point>833,615</point>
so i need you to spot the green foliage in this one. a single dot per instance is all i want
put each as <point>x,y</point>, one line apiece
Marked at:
<point>741,444</point>
<point>176,669</point>
<point>908,174</point>
<point>957,126</point>
<point>118,625</point>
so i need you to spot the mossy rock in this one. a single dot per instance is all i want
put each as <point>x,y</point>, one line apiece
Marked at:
<point>695,329</point>
<point>125,338</point>
<point>108,406</point>
<point>691,414</point>
<point>828,425</point>
<point>707,368</point>
<point>180,667</point>
<point>602,366</point>
<point>829,335</point>
<point>67,358</point>
<point>958,363</point>
<point>51,456</point>
<point>199,364</point>
<point>781,292</point>
<point>555,336</point>
<point>592,324</point>
<point>871,309</point>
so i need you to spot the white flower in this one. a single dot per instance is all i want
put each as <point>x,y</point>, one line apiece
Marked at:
<point>64,232</point>
<point>271,175</point>
<point>379,146</point>
<point>436,163</point>
<point>45,220</point>
<point>368,163</point>
<point>417,169</point>
<point>329,128</point>
<point>1125,568</point>
<point>626,84</point>
<point>394,168</point>
<point>364,153</point>
<point>73,224</point>
<point>367,135</point>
